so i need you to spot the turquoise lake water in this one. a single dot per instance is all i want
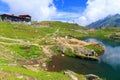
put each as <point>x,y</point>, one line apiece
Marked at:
<point>108,68</point>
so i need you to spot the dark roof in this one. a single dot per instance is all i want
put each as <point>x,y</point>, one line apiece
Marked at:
<point>24,15</point>
<point>20,16</point>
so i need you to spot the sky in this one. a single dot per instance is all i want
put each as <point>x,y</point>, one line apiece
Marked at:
<point>82,12</point>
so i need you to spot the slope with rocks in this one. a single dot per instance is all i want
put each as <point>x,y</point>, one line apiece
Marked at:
<point>26,49</point>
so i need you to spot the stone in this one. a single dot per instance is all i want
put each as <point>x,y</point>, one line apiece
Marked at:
<point>92,77</point>
<point>71,74</point>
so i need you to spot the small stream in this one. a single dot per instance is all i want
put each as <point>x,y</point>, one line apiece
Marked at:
<point>108,68</point>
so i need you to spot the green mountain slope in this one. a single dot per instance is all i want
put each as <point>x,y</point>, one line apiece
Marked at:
<point>24,49</point>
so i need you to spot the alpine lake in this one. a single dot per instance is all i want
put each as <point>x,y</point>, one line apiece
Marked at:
<point>107,68</point>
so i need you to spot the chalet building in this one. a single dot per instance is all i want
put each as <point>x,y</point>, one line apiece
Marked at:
<point>20,18</point>
<point>92,29</point>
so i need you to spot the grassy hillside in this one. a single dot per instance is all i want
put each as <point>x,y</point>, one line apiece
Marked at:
<point>22,49</point>
<point>25,48</point>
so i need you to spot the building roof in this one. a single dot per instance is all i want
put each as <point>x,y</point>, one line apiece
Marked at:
<point>24,15</point>
<point>20,16</point>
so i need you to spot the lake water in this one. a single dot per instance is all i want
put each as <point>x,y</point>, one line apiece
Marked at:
<point>108,68</point>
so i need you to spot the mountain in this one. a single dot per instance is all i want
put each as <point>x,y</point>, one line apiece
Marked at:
<point>109,21</point>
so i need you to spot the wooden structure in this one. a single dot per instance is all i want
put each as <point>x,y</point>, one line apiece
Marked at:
<point>92,29</point>
<point>20,18</point>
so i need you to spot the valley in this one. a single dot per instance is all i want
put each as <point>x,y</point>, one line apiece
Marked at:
<point>27,50</point>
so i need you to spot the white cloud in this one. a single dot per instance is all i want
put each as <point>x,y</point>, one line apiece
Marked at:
<point>38,9</point>
<point>66,16</point>
<point>98,9</point>
<point>46,10</point>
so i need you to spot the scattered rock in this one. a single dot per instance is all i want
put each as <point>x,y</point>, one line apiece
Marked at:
<point>36,65</point>
<point>71,74</point>
<point>92,77</point>
<point>74,47</point>
<point>44,64</point>
<point>96,48</point>
<point>20,76</point>
<point>32,67</point>
<point>115,36</point>
<point>63,55</point>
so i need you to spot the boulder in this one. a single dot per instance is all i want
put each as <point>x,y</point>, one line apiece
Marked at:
<point>92,77</point>
<point>77,48</point>
<point>115,36</point>
<point>96,48</point>
<point>71,74</point>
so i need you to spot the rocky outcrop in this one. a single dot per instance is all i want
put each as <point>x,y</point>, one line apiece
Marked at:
<point>74,76</point>
<point>92,77</point>
<point>97,48</point>
<point>115,36</point>
<point>74,47</point>
<point>71,74</point>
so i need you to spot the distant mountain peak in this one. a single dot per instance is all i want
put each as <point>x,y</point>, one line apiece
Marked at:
<point>117,14</point>
<point>109,21</point>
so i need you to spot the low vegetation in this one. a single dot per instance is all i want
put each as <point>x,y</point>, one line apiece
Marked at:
<point>32,45</point>
<point>99,50</point>
<point>62,49</point>
<point>28,45</point>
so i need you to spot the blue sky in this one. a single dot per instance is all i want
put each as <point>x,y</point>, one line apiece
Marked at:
<point>61,5</point>
<point>82,12</point>
<point>70,5</point>
<point>69,9</point>
<point>66,10</point>
<point>3,7</point>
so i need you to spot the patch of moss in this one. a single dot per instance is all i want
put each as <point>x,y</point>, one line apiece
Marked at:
<point>97,48</point>
<point>69,52</point>
<point>28,52</point>
<point>61,49</point>
<point>48,60</point>
<point>41,75</point>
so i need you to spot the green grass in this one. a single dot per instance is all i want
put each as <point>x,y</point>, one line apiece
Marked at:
<point>3,61</point>
<point>41,75</point>
<point>25,32</point>
<point>28,52</point>
<point>35,35</point>
<point>103,34</point>
<point>97,48</point>
<point>7,41</point>
<point>22,31</point>
<point>69,52</point>
<point>10,77</point>
<point>48,60</point>
<point>63,50</point>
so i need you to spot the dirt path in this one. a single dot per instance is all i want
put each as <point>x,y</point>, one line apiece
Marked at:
<point>11,39</point>
<point>6,76</point>
<point>47,51</point>
<point>4,53</point>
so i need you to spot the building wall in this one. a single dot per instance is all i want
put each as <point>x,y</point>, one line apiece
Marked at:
<point>0,18</point>
<point>16,19</point>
